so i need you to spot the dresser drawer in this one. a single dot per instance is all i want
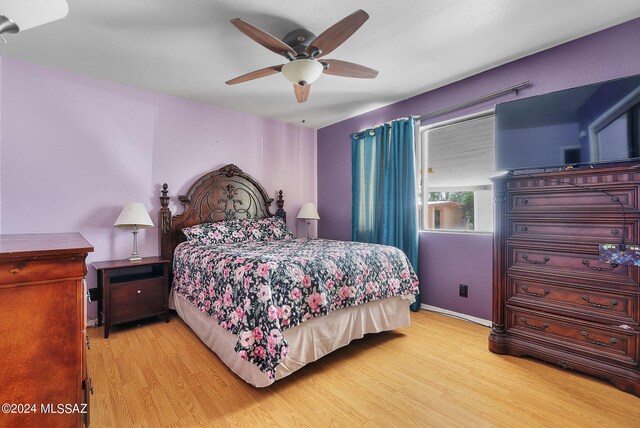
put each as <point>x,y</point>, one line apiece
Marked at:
<point>135,300</point>
<point>574,336</point>
<point>575,264</point>
<point>570,230</point>
<point>607,307</point>
<point>575,199</point>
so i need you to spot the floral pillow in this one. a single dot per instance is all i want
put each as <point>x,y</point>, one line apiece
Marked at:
<point>226,232</point>
<point>213,233</point>
<point>266,229</point>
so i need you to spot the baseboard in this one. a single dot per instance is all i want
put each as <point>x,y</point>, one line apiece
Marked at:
<point>466,317</point>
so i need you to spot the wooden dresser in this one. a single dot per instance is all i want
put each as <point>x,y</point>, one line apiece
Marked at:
<point>43,374</point>
<point>553,298</point>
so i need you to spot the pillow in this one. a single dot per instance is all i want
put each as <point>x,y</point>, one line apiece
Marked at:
<point>229,231</point>
<point>266,229</point>
<point>221,232</point>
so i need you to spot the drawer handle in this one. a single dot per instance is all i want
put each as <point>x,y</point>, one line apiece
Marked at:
<point>598,305</point>
<point>536,262</point>
<point>524,228</point>
<point>615,232</point>
<point>600,269</point>
<point>524,201</point>
<point>531,293</point>
<point>612,341</point>
<point>533,327</point>
<point>139,291</point>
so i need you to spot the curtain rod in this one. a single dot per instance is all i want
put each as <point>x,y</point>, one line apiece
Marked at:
<point>371,132</point>
<point>514,88</point>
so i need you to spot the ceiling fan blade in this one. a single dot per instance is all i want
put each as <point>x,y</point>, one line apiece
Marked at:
<point>302,92</point>
<point>256,74</point>
<point>335,35</point>
<point>337,67</point>
<point>264,38</point>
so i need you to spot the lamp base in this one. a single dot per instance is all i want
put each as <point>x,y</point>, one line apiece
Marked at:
<point>134,254</point>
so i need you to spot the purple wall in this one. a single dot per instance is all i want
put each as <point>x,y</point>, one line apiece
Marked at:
<point>605,55</point>
<point>450,259</point>
<point>74,150</point>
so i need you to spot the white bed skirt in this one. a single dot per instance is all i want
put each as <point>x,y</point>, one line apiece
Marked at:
<point>308,341</point>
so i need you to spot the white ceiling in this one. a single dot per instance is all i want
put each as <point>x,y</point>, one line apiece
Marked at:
<point>188,48</point>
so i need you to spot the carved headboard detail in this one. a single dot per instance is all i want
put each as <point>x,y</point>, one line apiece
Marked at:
<point>223,194</point>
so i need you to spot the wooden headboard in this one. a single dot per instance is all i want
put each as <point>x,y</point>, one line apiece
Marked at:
<point>223,194</point>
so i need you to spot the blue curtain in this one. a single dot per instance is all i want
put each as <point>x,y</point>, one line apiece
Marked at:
<point>384,207</point>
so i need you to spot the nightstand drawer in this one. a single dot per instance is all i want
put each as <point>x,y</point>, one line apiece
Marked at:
<point>139,299</point>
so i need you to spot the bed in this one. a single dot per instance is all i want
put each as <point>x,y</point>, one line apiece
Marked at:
<point>266,303</point>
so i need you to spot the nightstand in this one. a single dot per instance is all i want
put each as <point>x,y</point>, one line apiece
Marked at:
<point>131,291</point>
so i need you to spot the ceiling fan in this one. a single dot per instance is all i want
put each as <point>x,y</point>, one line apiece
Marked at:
<point>303,49</point>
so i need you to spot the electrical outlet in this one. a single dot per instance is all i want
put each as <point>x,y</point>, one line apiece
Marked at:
<point>464,290</point>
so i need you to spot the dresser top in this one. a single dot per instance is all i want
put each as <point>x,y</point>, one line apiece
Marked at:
<point>37,244</point>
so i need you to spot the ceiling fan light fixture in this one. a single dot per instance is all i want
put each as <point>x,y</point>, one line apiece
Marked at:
<point>20,15</point>
<point>302,71</point>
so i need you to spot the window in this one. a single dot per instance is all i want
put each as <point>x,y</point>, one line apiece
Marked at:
<point>457,162</point>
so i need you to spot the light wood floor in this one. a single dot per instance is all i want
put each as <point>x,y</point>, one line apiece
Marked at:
<point>438,372</point>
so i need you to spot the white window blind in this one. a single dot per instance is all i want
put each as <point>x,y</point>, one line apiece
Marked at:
<point>459,154</point>
<point>457,161</point>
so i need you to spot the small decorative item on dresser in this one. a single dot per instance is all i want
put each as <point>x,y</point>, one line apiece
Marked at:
<point>308,212</point>
<point>132,291</point>
<point>134,215</point>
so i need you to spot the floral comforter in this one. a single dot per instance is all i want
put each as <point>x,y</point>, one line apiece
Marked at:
<point>256,290</point>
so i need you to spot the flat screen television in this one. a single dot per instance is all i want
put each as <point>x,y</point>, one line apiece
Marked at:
<point>587,125</point>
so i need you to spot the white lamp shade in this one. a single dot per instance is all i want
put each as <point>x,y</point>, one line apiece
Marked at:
<point>134,214</point>
<point>308,212</point>
<point>32,13</point>
<point>302,71</point>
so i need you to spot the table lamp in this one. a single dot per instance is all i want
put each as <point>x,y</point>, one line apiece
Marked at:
<point>134,216</point>
<point>308,212</point>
